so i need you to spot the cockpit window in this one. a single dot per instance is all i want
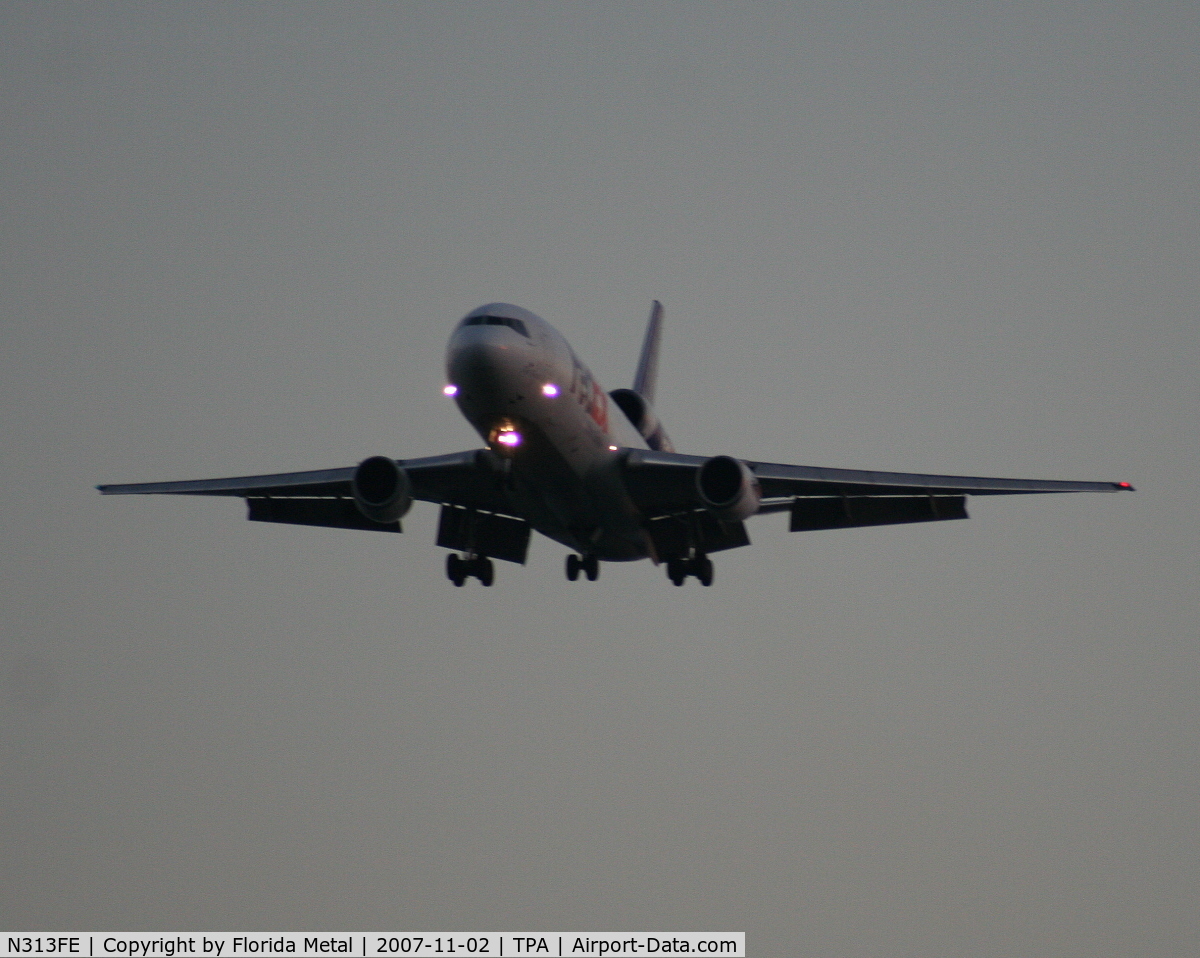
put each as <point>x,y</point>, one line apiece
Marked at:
<point>517,324</point>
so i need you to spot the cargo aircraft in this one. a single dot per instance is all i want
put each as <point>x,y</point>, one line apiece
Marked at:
<point>592,470</point>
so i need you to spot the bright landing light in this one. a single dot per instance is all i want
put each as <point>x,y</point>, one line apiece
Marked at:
<point>450,390</point>
<point>550,390</point>
<point>509,438</point>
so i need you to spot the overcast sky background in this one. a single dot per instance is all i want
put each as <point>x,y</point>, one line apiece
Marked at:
<point>931,237</point>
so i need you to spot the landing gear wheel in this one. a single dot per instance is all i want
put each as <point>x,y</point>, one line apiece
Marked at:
<point>454,569</point>
<point>702,568</point>
<point>676,571</point>
<point>591,567</point>
<point>484,570</point>
<point>572,567</point>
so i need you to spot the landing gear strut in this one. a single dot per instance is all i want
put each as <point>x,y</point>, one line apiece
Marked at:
<point>589,565</point>
<point>460,568</point>
<point>700,566</point>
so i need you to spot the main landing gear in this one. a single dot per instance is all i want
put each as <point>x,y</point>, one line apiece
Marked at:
<point>460,568</point>
<point>588,565</point>
<point>701,567</point>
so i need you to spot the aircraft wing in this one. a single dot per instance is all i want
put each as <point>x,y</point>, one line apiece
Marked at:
<point>323,497</point>
<point>664,484</point>
<point>318,484</point>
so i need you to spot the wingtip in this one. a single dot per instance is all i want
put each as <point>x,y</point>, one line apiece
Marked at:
<point>1124,487</point>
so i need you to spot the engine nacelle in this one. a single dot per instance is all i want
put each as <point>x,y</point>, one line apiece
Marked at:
<point>381,489</point>
<point>728,488</point>
<point>641,416</point>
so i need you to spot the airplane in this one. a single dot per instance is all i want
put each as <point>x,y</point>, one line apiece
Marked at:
<point>594,471</point>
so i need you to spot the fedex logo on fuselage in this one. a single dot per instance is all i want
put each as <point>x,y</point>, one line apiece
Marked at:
<point>588,393</point>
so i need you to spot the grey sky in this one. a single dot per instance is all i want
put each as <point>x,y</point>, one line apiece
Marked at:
<point>932,237</point>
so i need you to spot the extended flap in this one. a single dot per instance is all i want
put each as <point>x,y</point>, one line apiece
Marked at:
<point>842,512</point>
<point>334,513</point>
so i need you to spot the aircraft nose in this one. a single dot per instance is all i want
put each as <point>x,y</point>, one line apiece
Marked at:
<point>466,362</point>
<point>475,361</point>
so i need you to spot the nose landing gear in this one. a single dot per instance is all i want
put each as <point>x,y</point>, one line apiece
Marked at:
<point>589,565</point>
<point>700,566</point>
<point>460,568</point>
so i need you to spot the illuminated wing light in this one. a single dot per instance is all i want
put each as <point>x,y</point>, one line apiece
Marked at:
<point>550,390</point>
<point>450,390</point>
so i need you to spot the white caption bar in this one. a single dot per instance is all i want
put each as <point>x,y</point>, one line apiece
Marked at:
<point>360,944</point>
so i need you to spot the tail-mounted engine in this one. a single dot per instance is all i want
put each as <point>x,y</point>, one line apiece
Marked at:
<point>728,488</point>
<point>381,489</point>
<point>639,412</point>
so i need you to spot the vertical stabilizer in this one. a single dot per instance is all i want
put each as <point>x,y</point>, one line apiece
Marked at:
<point>647,369</point>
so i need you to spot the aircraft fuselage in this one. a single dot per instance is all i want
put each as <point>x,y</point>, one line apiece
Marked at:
<point>540,409</point>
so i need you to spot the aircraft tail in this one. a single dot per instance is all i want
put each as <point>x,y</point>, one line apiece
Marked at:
<point>647,369</point>
<point>638,403</point>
